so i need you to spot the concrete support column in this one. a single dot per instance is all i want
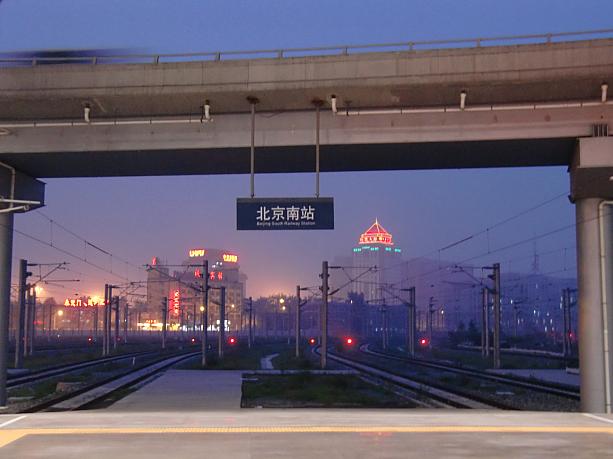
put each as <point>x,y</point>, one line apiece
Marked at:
<point>595,363</point>
<point>592,193</point>
<point>6,257</point>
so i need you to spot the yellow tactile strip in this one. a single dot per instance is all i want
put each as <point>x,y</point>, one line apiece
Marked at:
<point>10,435</point>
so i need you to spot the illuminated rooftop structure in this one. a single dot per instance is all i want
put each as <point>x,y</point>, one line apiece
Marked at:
<point>376,234</point>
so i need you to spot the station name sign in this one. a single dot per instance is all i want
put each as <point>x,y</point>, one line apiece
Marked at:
<point>284,213</point>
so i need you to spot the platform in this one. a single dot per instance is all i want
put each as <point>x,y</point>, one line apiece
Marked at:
<point>306,434</point>
<point>186,390</point>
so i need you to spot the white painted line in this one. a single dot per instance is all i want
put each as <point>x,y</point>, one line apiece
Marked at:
<point>593,416</point>
<point>4,424</point>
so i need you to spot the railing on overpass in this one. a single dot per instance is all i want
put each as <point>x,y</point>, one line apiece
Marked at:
<point>100,57</point>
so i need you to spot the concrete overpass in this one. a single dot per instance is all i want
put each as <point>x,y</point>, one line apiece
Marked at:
<point>520,105</point>
<point>405,106</point>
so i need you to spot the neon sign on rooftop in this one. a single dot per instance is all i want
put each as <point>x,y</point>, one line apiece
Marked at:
<point>376,234</point>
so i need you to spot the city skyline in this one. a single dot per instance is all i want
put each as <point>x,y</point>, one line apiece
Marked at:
<point>253,247</point>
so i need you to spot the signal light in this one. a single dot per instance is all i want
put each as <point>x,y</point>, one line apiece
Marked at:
<point>89,339</point>
<point>423,342</point>
<point>232,340</point>
<point>312,341</point>
<point>193,340</point>
<point>349,341</point>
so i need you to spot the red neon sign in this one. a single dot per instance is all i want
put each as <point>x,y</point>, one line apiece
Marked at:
<point>216,275</point>
<point>376,234</point>
<point>176,302</point>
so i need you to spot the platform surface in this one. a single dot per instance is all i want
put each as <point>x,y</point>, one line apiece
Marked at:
<point>253,433</point>
<point>186,390</point>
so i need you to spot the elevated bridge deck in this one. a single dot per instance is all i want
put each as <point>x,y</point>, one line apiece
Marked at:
<point>525,106</point>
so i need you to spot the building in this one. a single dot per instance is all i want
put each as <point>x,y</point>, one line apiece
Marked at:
<point>371,290</point>
<point>183,290</point>
<point>375,280</point>
<point>376,252</point>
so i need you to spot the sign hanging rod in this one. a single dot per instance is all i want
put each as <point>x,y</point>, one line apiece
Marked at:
<point>253,101</point>
<point>317,103</point>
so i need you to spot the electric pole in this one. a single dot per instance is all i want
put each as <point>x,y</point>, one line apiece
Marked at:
<point>205,309</point>
<point>299,305</point>
<point>485,323</point>
<point>164,319</point>
<point>496,278</point>
<point>27,329</point>
<point>566,305</point>
<point>19,336</point>
<point>126,319</point>
<point>297,321</point>
<point>32,324</point>
<point>95,324</point>
<point>324,314</point>
<point>516,312</point>
<point>429,320</point>
<point>116,335</point>
<point>250,337</point>
<point>222,323</point>
<point>105,318</point>
<point>411,328</point>
<point>384,337</point>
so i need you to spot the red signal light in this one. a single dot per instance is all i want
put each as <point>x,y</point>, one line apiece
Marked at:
<point>349,341</point>
<point>312,341</point>
<point>232,340</point>
<point>423,341</point>
<point>89,339</point>
<point>193,340</point>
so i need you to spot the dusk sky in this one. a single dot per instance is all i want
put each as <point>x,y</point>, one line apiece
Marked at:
<point>137,218</point>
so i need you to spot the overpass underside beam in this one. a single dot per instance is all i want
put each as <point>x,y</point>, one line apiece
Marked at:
<point>592,192</point>
<point>286,143</point>
<point>298,158</point>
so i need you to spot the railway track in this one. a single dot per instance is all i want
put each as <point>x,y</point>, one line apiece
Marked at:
<point>94,392</point>
<point>442,396</point>
<point>45,373</point>
<point>550,389</point>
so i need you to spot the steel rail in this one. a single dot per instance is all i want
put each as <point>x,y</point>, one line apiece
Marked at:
<point>173,360</point>
<point>50,372</point>
<point>539,387</point>
<point>444,394</point>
